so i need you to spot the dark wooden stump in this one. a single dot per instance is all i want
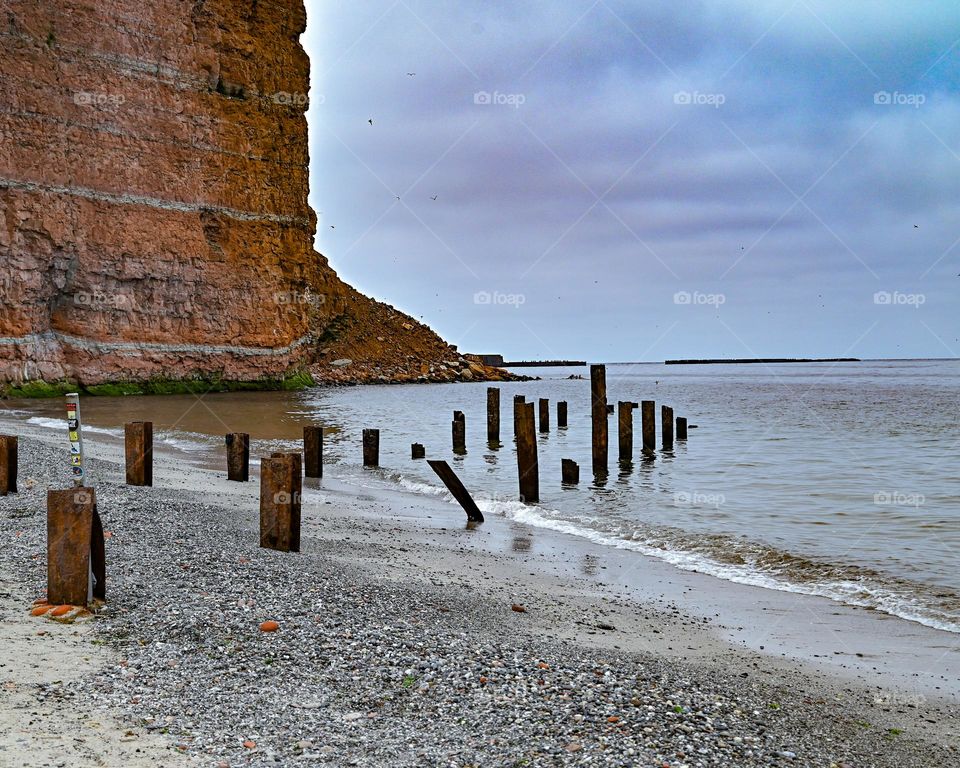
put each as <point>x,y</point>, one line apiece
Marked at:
<point>648,420</point>
<point>8,464</point>
<point>625,430</point>
<point>74,548</point>
<point>517,401</point>
<point>417,451</point>
<point>598,412</point>
<point>281,486</point>
<point>666,427</point>
<point>493,414</point>
<point>460,493</point>
<point>313,451</point>
<point>544,406</point>
<point>562,414</point>
<point>528,470</point>
<point>238,457</point>
<point>371,447</point>
<point>569,472</point>
<point>458,430</point>
<point>681,428</point>
<point>138,445</point>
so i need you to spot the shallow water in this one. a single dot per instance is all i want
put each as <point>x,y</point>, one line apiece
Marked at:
<point>830,479</point>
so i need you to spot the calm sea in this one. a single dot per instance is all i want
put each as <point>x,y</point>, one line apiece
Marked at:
<point>838,480</point>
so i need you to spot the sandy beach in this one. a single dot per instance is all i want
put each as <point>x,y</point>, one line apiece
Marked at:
<point>399,643</point>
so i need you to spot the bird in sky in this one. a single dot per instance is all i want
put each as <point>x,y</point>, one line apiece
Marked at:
<point>411,74</point>
<point>370,121</point>
<point>397,196</point>
<point>332,227</point>
<point>434,197</point>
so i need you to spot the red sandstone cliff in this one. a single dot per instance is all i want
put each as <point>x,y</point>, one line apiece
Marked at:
<point>153,203</point>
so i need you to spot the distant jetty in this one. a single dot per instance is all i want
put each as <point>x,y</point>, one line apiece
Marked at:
<point>543,363</point>
<point>743,360</point>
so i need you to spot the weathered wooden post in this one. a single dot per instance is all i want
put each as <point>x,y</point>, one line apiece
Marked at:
<point>569,472</point>
<point>238,457</point>
<point>460,493</point>
<point>625,429</point>
<point>544,414</point>
<point>417,451</point>
<point>138,445</point>
<point>493,414</point>
<point>528,470</point>
<point>648,421</point>
<point>8,464</point>
<point>598,412</point>
<point>517,401</point>
<point>459,430</point>
<point>313,451</point>
<point>681,428</point>
<point>666,427</point>
<point>371,447</point>
<point>281,486</point>
<point>76,567</point>
<point>562,414</point>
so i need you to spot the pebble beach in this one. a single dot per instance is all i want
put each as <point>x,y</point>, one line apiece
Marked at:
<point>395,643</point>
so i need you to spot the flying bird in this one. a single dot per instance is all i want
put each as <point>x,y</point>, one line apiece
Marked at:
<point>370,121</point>
<point>434,197</point>
<point>332,227</point>
<point>411,74</point>
<point>916,226</point>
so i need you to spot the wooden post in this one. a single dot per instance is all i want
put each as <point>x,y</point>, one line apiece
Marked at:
<point>238,457</point>
<point>417,451</point>
<point>281,485</point>
<point>666,427</point>
<point>8,464</point>
<point>461,494</point>
<point>459,430</point>
<point>681,428</point>
<point>493,414</point>
<point>313,451</point>
<point>569,472</point>
<point>527,468</point>
<point>649,425</point>
<point>544,414</point>
<point>598,412</point>
<point>625,429</point>
<point>76,567</point>
<point>371,447</point>
<point>517,400</point>
<point>138,444</point>
<point>562,414</point>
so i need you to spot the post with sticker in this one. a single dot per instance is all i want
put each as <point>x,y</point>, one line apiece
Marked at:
<point>76,438</point>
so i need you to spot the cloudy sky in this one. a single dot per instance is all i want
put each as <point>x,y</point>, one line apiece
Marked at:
<point>642,180</point>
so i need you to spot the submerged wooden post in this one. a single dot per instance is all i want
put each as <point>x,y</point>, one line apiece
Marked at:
<point>648,420</point>
<point>517,401</point>
<point>417,451</point>
<point>681,428</point>
<point>544,414</point>
<point>8,464</point>
<point>562,414</point>
<point>371,447</point>
<point>459,431</point>
<point>493,414</point>
<point>313,451</point>
<point>598,412</point>
<point>76,566</point>
<point>625,429</point>
<point>569,472</point>
<point>281,485</point>
<point>461,494</point>
<point>527,468</point>
<point>238,457</point>
<point>666,427</point>
<point>138,445</point>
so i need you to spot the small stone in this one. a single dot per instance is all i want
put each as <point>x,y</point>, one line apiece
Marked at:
<point>342,362</point>
<point>518,608</point>
<point>61,610</point>
<point>269,626</point>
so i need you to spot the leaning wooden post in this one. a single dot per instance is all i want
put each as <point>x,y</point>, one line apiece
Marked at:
<point>666,427</point>
<point>459,431</point>
<point>518,400</point>
<point>625,429</point>
<point>598,411</point>
<point>527,467</point>
<point>417,451</point>
<point>8,464</point>
<point>238,457</point>
<point>138,445</point>
<point>456,487</point>
<point>493,414</point>
<point>281,485</point>
<point>649,425</point>
<point>544,414</point>
<point>569,472</point>
<point>313,451</point>
<point>681,428</point>
<point>76,567</point>
<point>371,447</point>
<point>562,414</point>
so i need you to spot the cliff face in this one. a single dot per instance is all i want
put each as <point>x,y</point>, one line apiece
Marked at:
<point>153,200</point>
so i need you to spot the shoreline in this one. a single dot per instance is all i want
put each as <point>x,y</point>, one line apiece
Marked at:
<point>571,590</point>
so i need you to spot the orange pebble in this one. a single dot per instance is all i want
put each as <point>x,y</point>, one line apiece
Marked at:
<point>41,601</point>
<point>269,626</point>
<point>613,719</point>
<point>249,744</point>
<point>40,610</point>
<point>61,610</point>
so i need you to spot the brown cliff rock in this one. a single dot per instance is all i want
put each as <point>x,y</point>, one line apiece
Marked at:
<point>154,221</point>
